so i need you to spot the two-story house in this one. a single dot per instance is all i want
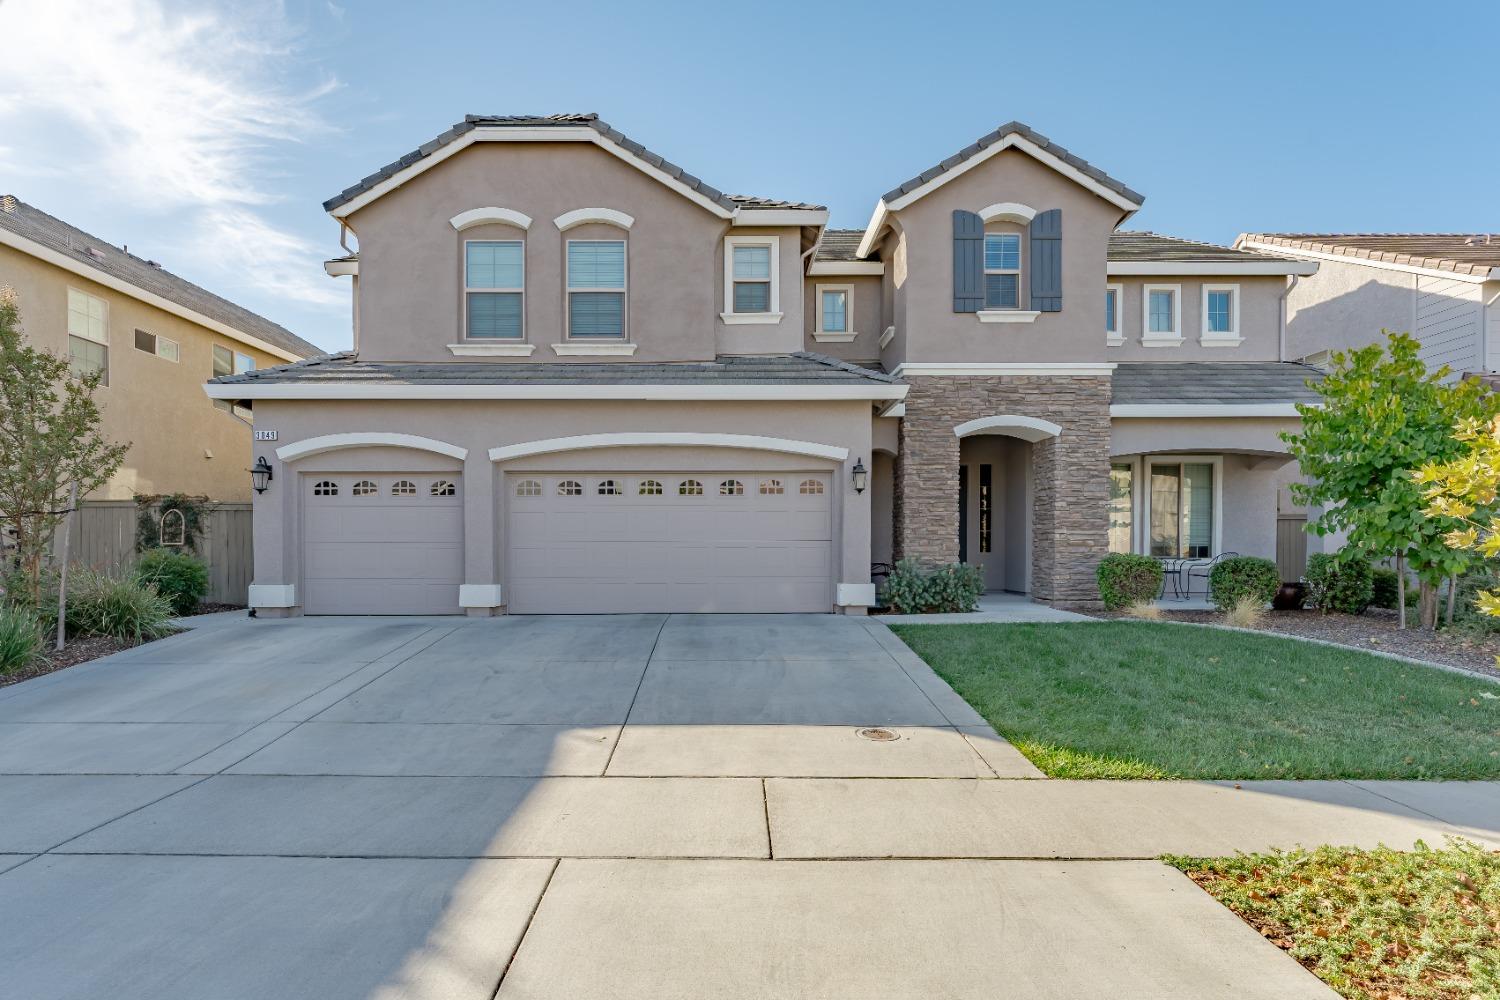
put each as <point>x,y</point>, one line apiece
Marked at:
<point>155,337</point>
<point>584,380</point>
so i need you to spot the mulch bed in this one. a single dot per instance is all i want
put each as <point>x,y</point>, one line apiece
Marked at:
<point>1374,630</point>
<point>79,650</point>
<point>208,608</point>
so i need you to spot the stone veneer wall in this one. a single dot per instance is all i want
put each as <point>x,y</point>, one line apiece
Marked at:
<point>1070,473</point>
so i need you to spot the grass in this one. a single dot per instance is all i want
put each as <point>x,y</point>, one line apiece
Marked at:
<point>1374,925</point>
<point>1155,700</point>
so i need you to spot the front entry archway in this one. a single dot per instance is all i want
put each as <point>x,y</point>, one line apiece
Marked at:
<point>995,496</point>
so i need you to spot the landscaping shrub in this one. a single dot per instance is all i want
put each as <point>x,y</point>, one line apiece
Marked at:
<point>1247,612</point>
<point>122,607</point>
<point>179,577</point>
<point>1240,577</point>
<point>1126,579</point>
<point>913,589</point>
<point>1339,584</point>
<point>1144,610</point>
<point>1385,588</point>
<point>20,639</point>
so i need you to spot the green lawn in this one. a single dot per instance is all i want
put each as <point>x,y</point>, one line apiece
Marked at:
<point>1152,700</point>
<point>1423,925</point>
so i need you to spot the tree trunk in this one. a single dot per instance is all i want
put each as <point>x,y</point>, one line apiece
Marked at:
<point>1401,590</point>
<point>1427,602</point>
<point>1452,595</point>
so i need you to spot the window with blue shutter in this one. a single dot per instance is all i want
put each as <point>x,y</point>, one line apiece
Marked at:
<point>968,262</point>
<point>1002,271</point>
<point>1046,261</point>
<point>494,287</point>
<point>596,288</point>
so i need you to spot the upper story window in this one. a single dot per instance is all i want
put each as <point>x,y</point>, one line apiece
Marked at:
<point>752,292</point>
<point>1002,270</point>
<point>1114,305</point>
<point>1221,315</point>
<point>596,288</point>
<point>157,345</point>
<point>494,289</point>
<point>1162,322</point>
<point>227,362</point>
<point>88,334</point>
<point>835,313</point>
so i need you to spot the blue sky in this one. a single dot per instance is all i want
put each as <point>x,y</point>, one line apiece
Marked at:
<point>207,135</point>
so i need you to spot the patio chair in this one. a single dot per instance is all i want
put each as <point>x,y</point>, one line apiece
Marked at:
<point>1205,570</point>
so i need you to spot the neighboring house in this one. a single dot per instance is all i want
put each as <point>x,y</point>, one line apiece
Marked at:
<point>584,380</point>
<point>1443,288</point>
<point>157,338</point>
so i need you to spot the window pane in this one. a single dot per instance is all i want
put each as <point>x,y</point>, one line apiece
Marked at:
<point>223,361</point>
<point>87,317</point>
<point>85,356</point>
<point>1161,312</point>
<point>752,263</point>
<point>494,265</point>
<point>1165,497</point>
<point>243,363</point>
<point>1002,291</point>
<point>752,296</point>
<point>166,348</point>
<point>494,315</point>
<point>596,265</point>
<point>1002,252</point>
<point>836,312</point>
<point>1111,307</point>
<point>1198,510</point>
<point>596,314</point>
<point>1218,312</point>
<point>1121,514</point>
<point>145,341</point>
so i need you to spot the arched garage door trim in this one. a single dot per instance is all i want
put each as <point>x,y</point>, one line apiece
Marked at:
<point>674,438</point>
<point>334,442</point>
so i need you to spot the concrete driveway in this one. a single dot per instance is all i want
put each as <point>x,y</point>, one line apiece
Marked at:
<point>440,808</point>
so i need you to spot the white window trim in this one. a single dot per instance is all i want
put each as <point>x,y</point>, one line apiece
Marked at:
<point>833,336</point>
<point>1116,337</point>
<point>1007,315</point>
<point>463,330</point>
<point>988,313</point>
<point>729,316</point>
<point>1217,461</point>
<point>1158,339</point>
<point>1231,337</point>
<point>1008,211</point>
<point>600,347</point>
<point>156,341</point>
<point>500,349</point>
<point>85,336</point>
<point>583,216</point>
<point>568,291</point>
<point>491,215</point>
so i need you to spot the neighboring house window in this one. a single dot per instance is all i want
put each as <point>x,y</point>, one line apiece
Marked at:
<point>1002,270</point>
<point>835,313</point>
<point>1162,321</point>
<point>1221,314</point>
<point>494,289</point>
<point>1121,506</point>
<point>227,362</point>
<point>596,288</point>
<point>159,346</point>
<point>1114,304</point>
<point>751,282</point>
<point>88,334</point>
<point>173,529</point>
<point>1182,497</point>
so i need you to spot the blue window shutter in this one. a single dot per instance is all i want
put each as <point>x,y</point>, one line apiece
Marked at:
<point>1046,261</point>
<point>968,262</point>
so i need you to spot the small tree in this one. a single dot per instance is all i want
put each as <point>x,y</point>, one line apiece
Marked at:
<point>49,441</point>
<point>1466,490</point>
<point>1382,416</point>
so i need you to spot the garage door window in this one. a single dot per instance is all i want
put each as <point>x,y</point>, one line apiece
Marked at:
<point>731,488</point>
<point>443,488</point>
<point>690,488</point>
<point>569,488</point>
<point>365,488</point>
<point>528,488</point>
<point>649,488</point>
<point>403,488</point>
<point>325,488</point>
<point>608,488</point>
<point>771,487</point>
<point>811,488</point>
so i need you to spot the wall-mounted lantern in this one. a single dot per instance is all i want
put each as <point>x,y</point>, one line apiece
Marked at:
<point>260,474</point>
<point>861,476</point>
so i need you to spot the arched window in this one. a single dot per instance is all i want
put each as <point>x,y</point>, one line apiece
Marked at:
<point>608,488</point>
<point>364,488</point>
<point>443,488</point>
<point>173,527</point>
<point>810,488</point>
<point>570,488</point>
<point>325,488</point>
<point>649,488</point>
<point>690,488</point>
<point>403,488</point>
<point>528,488</point>
<point>731,488</point>
<point>771,487</point>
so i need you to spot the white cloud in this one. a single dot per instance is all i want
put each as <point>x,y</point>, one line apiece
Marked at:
<point>181,110</point>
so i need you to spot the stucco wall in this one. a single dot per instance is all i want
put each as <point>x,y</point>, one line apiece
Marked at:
<point>1347,305</point>
<point>1260,312</point>
<point>867,314</point>
<point>179,441</point>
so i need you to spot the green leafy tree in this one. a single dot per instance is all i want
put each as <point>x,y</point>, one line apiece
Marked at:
<point>1383,416</point>
<point>49,441</point>
<point>1466,490</point>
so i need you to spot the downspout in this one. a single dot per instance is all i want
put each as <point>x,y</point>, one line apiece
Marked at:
<point>1281,318</point>
<point>344,237</point>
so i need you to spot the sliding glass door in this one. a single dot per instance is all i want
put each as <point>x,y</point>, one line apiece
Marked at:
<point>1182,509</point>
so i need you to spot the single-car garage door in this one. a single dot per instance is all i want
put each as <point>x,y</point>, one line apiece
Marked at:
<point>382,543</point>
<point>650,541</point>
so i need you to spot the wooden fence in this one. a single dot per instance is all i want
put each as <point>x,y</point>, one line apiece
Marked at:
<point>102,536</point>
<point>1291,545</point>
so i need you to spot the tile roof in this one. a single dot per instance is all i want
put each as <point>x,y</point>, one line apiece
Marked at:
<point>1461,253</point>
<point>1026,132</point>
<point>1130,245</point>
<point>1202,382</point>
<point>787,369</point>
<point>32,223</point>
<point>839,245</point>
<point>751,201</point>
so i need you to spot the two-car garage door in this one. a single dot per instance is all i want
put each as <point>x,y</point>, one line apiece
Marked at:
<point>652,541</point>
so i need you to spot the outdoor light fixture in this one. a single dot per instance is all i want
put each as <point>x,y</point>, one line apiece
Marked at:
<point>260,474</point>
<point>861,476</point>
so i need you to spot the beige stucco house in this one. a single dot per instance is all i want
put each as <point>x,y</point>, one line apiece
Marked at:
<point>584,380</point>
<point>157,338</point>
